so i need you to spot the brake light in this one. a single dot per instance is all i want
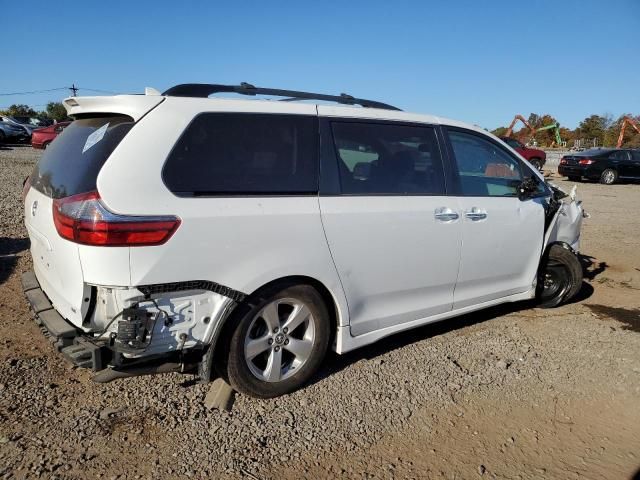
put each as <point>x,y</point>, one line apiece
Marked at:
<point>25,187</point>
<point>563,161</point>
<point>84,219</point>
<point>586,161</point>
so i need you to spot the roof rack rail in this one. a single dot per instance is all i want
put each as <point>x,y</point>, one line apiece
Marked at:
<point>203,90</point>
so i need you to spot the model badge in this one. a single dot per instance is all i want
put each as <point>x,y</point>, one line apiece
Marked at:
<point>34,208</point>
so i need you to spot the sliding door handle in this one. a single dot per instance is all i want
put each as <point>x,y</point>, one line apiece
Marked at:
<point>446,214</point>
<point>476,214</point>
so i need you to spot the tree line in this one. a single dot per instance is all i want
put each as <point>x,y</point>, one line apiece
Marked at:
<point>604,129</point>
<point>53,110</point>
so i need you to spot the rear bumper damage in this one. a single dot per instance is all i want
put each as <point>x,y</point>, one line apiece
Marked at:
<point>135,331</point>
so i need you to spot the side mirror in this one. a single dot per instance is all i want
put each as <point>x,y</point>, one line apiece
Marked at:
<point>527,188</point>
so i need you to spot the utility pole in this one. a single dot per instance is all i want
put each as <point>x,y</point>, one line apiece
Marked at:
<point>73,89</point>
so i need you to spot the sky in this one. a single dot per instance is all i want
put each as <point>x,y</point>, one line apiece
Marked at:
<point>477,61</point>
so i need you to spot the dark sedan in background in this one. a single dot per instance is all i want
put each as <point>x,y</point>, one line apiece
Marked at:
<point>606,165</point>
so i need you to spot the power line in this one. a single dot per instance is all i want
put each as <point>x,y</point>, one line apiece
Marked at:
<point>33,92</point>
<point>73,88</point>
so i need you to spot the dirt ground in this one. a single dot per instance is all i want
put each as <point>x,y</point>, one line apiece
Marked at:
<point>514,392</point>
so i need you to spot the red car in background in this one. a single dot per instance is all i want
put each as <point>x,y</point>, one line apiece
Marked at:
<point>42,137</point>
<point>534,156</point>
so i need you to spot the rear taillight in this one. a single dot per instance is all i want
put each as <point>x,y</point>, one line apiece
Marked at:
<point>563,161</point>
<point>84,219</point>
<point>25,187</point>
<point>586,161</point>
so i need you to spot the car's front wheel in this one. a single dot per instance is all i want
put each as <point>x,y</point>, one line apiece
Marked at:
<point>560,277</point>
<point>574,178</point>
<point>279,342</point>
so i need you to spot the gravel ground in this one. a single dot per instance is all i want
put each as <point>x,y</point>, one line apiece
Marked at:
<point>511,392</point>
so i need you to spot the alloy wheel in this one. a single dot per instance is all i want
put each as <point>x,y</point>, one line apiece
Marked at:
<point>280,339</point>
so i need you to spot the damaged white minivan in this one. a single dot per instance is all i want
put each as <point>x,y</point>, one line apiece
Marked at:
<point>245,237</point>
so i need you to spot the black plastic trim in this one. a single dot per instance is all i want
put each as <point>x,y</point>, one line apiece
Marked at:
<point>159,288</point>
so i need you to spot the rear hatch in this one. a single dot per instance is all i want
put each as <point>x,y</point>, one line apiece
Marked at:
<point>70,166</point>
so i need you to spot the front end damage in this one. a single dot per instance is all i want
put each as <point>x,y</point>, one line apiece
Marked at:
<point>564,215</point>
<point>134,331</point>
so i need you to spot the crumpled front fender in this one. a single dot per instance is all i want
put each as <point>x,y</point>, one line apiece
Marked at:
<point>566,224</point>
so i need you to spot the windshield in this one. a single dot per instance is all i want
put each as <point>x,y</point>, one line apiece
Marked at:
<point>71,164</point>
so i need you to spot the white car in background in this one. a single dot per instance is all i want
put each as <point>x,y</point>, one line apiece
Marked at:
<point>177,232</point>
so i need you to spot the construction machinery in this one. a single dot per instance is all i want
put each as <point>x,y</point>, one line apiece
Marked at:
<point>626,121</point>
<point>555,126</point>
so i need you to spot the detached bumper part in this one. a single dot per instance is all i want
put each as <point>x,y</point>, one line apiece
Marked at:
<point>65,337</point>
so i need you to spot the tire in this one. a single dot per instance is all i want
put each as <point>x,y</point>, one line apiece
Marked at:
<point>536,162</point>
<point>560,277</point>
<point>609,176</point>
<point>45,145</point>
<point>261,362</point>
<point>574,178</point>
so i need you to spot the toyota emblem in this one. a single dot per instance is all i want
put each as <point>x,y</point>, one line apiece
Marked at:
<point>34,208</point>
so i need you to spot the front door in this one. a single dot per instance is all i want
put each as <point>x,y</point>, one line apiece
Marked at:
<point>394,235</point>
<point>501,235</point>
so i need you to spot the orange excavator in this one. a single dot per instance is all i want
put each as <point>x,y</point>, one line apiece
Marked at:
<point>554,126</point>
<point>626,121</point>
<point>513,123</point>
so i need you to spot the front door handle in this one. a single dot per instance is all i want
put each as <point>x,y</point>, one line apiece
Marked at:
<point>476,214</point>
<point>446,214</point>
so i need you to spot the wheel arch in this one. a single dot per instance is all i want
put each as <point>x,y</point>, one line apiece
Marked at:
<point>330,300</point>
<point>216,351</point>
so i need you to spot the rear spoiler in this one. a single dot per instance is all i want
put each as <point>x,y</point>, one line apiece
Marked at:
<point>135,106</point>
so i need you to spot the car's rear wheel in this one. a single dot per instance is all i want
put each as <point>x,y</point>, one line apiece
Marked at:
<point>560,277</point>
<point>574,178</point>
<point>536,162</point>
<point>279,342</point>
<point>609,176</point>
<point>45,145</point>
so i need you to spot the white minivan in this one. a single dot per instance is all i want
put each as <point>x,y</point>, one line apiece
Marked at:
<point>245,237</point>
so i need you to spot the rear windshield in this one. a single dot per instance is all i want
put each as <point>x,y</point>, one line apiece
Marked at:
<point>71,163</point>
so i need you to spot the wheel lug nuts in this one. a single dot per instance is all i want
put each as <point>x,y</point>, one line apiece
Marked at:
<point>286,342</point>
<point>275,330</point>
<point>277,349</point>
<point>271,341</point>
<point>285,330</point>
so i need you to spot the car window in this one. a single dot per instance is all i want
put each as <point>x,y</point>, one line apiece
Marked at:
<point>619,155</point>
<point>71,164</point>
<point>636,155</point>
<point>387,159</point>
<point>240,153</point>
<point>485,169</point>
<point>513,143</point>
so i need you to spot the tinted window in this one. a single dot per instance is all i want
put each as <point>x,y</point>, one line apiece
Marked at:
<point>484,167</point>
<point>70,165</point>
<point>636,155</point>
<point>513,143</point>
<point>619,155</point>
<point>222,153</point>
<point>387,159</point>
